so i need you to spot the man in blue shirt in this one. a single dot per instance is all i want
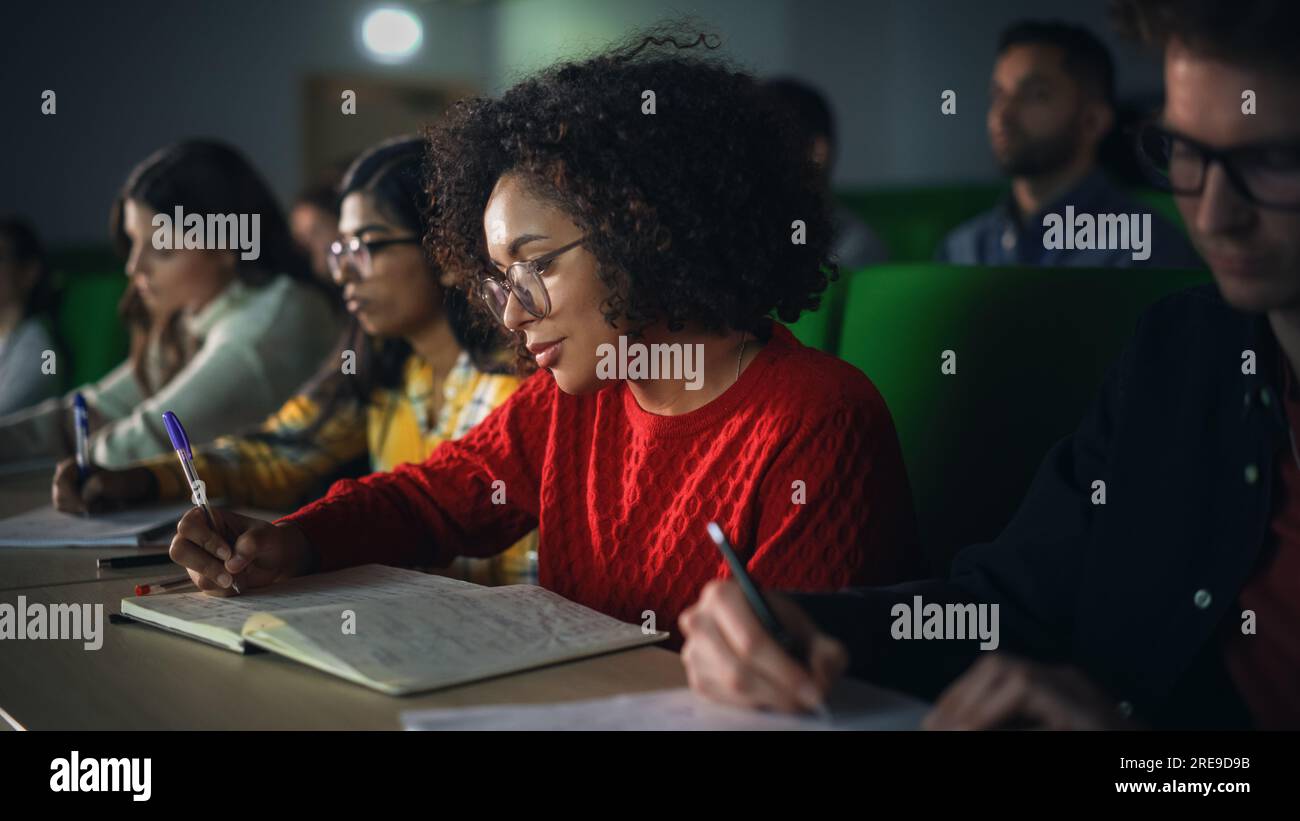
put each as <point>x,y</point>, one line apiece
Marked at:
<point>1052,105</point>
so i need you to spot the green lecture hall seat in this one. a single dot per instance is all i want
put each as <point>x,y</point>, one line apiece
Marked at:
<point>90,280</point>
<point>1031,346</point>
<point>1035,343</point>
<point>913,221</point>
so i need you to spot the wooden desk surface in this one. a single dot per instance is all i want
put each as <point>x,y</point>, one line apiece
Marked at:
<point>145,678</point>
<point>21,492</point>
<point>23,568</point>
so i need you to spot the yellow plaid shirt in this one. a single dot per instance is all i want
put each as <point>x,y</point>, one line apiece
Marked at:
<point>291,459</point>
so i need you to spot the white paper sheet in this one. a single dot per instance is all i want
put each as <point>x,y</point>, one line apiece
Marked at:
<point>855,705</point>
<point>47,527</point>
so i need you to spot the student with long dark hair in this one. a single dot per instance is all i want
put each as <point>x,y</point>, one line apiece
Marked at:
<point>412,372</point>
<point>237,335</point>
<point>26,321</point>
<point>586,225</point>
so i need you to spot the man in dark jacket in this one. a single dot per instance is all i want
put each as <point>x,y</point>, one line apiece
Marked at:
<point>1152,574</point>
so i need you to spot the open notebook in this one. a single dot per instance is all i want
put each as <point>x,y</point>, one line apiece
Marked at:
<point>413,631</point>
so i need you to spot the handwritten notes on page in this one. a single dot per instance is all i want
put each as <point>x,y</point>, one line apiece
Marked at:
<point>396,631</point>
<point>424,642</point>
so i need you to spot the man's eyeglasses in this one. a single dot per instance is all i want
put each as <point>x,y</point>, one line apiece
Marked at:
<point>1267,174</point>
<point>524,280</point>
<point>359,254</point>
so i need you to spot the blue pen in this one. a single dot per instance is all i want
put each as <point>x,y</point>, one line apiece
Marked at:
<point>81,424</point>
<point>181,443</point>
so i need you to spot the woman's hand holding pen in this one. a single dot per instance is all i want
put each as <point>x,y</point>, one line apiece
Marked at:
<point>730,657</point>
<point>102,489</point>
<point>247,553</point>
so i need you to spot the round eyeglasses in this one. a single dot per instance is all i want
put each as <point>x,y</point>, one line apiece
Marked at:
<point>524,280</point>
<point>359,254</point>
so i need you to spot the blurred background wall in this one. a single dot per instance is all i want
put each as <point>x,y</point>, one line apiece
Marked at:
<point>131,76</point>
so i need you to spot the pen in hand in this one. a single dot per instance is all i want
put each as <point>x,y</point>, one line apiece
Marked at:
<point>788,642</point>
<point>81,429</point>
<point>181,443</point>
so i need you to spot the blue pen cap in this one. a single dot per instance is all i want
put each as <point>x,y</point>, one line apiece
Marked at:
<point>176,433</point>
<point>79,402</point>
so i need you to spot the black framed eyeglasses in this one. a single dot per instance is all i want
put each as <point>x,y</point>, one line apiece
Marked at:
<point>524,280</point>
<point>1266,173</point>
<point>359,254</point>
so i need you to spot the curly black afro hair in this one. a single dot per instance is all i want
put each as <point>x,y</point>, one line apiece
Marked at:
<point>689,211</point>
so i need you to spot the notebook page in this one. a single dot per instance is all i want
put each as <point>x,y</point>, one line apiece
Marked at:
<point>367,583</point>
<point>424,642</point>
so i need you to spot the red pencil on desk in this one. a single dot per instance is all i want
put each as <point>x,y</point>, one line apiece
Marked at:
<point>162,587</point>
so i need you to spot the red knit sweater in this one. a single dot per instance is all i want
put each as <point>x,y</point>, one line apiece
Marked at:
<point>621,496</point>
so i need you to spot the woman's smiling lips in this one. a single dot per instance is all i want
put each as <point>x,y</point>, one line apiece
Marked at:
<point>545,352</point>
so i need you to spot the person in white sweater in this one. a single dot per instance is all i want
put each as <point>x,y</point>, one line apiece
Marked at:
<point>228,331</point>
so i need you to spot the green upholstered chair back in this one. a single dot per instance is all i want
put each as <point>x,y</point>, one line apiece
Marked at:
<point>1031,347</point>
<point>91,282</point>
<point>913,221</point>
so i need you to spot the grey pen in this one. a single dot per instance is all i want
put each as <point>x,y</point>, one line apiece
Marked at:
<point>792,646</point>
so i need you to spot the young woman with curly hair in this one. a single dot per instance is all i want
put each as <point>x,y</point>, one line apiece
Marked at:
<point>577,218</point>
